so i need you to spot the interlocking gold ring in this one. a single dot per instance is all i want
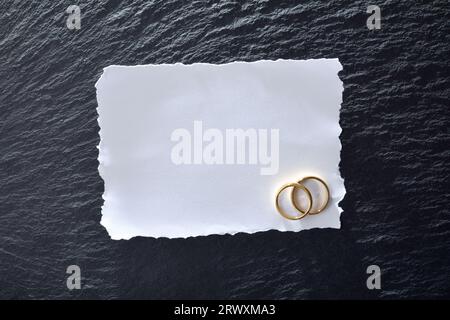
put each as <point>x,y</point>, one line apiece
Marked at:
<point>309,211</point>
<point>294,185</point>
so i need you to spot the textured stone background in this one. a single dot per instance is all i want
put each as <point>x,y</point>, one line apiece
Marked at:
<point>395,119</point>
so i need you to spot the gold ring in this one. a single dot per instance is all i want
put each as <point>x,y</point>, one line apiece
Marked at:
<point>294,185</point>
<point>294,201</point>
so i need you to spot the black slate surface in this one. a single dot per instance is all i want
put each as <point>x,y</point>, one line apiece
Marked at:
<point>395,118</point>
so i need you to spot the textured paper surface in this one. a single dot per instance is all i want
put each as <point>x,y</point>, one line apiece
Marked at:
<point>140,107</point>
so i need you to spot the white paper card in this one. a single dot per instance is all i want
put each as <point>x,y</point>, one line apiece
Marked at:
<point>191,150</point>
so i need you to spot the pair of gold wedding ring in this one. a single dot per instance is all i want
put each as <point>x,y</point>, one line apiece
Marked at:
<point>300,185</point>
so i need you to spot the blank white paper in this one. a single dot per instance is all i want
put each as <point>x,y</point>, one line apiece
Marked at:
<point>156,187</point>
